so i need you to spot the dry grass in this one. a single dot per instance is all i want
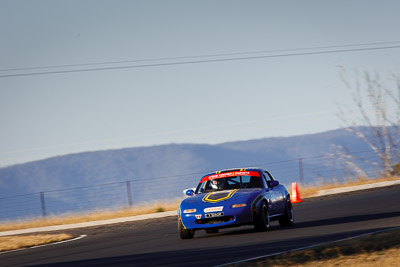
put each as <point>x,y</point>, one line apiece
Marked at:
<point>15,242</point>
<point>312,189</point>
<point>87,217</point>
<point>381,249</point>
<point>390,257</point>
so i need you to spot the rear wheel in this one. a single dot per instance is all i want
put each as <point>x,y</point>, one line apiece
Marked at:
<point>212,230</point>
<point>288,218</point>
<point>262,220</point>
<point>183,232</point>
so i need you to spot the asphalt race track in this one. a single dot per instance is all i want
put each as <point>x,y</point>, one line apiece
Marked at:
<point>156,242</point>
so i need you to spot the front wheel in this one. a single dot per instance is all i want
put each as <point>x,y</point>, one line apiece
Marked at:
<point>262,220</point>
<point>287,219</point>
<point>183,232</point>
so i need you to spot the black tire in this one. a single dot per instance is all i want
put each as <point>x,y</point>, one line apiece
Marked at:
<point>183,232</point>
<point>288,218</point>
<point>262,221</point>
<point>212,230</point>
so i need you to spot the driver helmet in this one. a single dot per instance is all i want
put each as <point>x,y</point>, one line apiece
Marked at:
<point>218,183</point>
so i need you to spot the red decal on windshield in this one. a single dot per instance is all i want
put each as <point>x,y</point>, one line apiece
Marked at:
<point>230,174</point>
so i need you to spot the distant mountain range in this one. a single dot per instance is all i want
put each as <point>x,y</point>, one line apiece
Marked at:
<point>163,171</point>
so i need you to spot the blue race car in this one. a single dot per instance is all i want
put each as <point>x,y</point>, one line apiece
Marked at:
<point>232,198</point>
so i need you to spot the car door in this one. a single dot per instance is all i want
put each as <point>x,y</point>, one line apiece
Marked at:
<point>272,205</point>
<point>277,197</point>
<point>282,201</point>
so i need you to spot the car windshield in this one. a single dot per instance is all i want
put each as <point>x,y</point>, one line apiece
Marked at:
<point>228,183</point>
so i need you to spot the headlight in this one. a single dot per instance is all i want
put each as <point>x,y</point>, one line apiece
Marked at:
<point>239,205</point>
<point>189,211</point>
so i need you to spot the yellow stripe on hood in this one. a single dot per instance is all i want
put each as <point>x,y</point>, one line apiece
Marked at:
<point>206,198</point>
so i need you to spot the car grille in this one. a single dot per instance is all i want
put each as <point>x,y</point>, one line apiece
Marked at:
<point>215,220</point>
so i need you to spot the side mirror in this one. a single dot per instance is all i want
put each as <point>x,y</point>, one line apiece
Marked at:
<point>189,192</point>
<point>274,183</point>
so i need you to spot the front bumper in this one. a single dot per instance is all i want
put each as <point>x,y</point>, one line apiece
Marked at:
<point>230,217</point>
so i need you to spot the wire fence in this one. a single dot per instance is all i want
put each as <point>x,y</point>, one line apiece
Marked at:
<point>126,194</point>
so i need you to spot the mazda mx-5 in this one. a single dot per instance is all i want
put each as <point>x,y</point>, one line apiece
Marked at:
<point>234,197</point>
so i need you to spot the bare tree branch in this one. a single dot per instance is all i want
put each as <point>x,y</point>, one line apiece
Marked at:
<point>380,113</point>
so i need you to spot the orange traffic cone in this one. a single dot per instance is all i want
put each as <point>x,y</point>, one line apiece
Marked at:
<point>295,197</point>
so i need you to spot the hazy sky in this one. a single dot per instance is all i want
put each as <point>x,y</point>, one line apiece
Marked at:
<point>204,102</point>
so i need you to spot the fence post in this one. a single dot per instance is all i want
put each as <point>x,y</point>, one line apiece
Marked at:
<point>301,171</point>
<point>43,204</point>
<point>129,192</point>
